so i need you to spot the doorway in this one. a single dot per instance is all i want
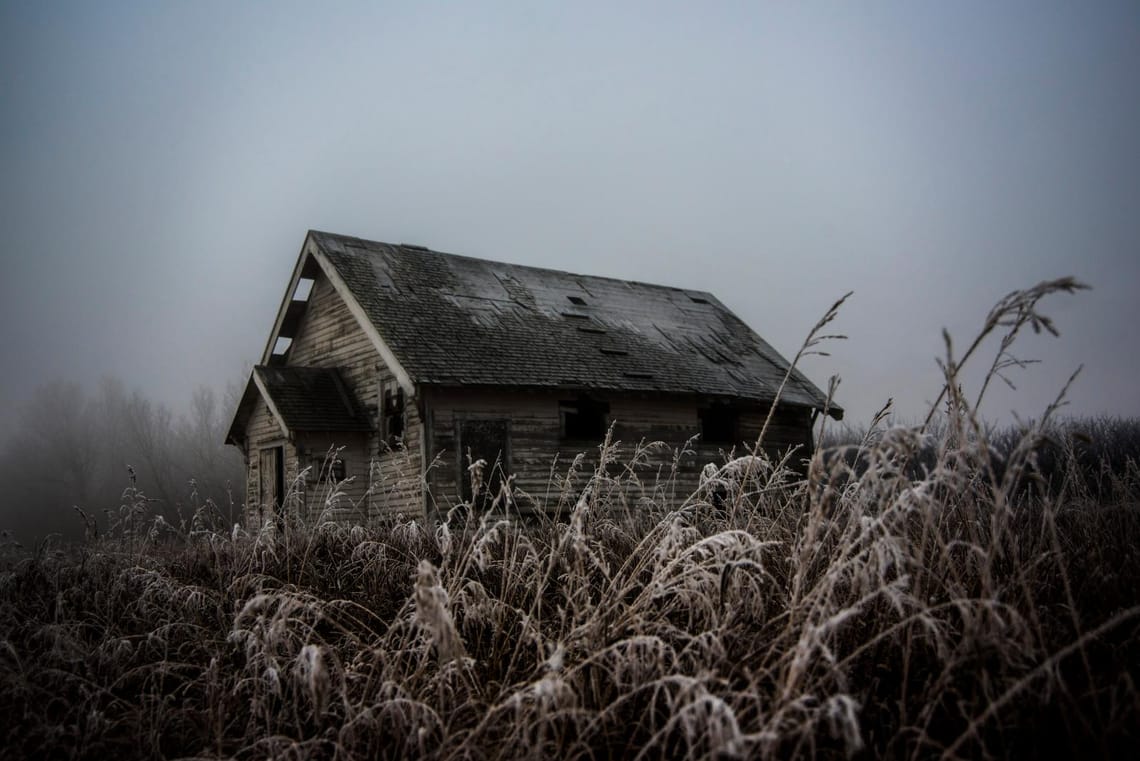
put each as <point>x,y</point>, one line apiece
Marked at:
<point>271,469</point>
<point>486,440</point>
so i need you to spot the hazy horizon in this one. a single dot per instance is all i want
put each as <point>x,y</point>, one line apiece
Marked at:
<point>163,165</point>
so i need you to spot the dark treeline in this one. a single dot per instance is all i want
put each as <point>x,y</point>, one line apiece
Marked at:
<point>73,448</point>
<point>1097,456</point>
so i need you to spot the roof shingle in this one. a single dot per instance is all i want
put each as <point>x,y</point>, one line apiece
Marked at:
<point>313,399</point>
<point>457,320</point>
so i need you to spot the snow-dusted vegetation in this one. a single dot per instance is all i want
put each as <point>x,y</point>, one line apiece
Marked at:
<point>930,590</point>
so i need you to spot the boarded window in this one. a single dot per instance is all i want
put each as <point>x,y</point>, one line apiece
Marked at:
<point>488,441</point>
<point>719,425</point>
<point>584,419</point>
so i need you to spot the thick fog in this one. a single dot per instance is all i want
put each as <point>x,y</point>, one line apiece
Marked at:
<point>162,164</point>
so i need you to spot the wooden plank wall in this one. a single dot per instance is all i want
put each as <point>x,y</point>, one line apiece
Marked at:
<point>532,418</point>
<point>264,431</point>
<point>541,461</point>
<point>387,484</point>
<point>383,483</point>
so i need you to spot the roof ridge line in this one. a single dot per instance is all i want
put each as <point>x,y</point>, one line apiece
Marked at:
<point>552,270</point>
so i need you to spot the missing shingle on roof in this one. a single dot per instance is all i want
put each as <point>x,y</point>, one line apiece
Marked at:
<point>614,352</point>
<point>592,329</point>
<point>641,376</point>
<point>577,300</point>
<point>414,246</point>
<point>697,299</point>
<point>575,316</point>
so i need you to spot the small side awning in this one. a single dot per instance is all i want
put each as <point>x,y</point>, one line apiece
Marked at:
<point>302,399</point>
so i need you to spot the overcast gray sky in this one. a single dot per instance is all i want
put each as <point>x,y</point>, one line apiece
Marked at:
<point>160,166</point>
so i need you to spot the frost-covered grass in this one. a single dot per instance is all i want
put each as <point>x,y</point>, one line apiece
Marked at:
<point>924,594</point>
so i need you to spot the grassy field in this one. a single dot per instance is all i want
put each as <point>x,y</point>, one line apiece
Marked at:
<point>938,590</point>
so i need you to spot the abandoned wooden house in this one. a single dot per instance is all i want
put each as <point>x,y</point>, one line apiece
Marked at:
<point>413,363</point>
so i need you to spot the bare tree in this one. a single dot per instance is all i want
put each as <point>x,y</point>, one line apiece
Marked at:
<point>214,468</point>
<point>59,438</point>
<point>69,450</point>
<point>50,462</point>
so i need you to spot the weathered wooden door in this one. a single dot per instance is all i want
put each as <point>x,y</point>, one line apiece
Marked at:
<point>486,440</point>
<point>271,474</point>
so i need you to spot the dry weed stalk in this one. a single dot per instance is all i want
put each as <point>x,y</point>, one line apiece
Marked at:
<point>925,590</point>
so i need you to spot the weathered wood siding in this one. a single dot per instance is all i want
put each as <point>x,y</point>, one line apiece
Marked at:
<point>533,425</point>
<point>656,433</point>
<point>381,483</point>
<point>541,461</point>
<point>262,432</point>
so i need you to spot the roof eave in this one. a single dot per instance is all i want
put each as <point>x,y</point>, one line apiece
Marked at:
<point>235,436</point>
<point>833,410</point>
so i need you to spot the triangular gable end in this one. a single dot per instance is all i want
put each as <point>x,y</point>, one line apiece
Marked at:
<point>311,263</point>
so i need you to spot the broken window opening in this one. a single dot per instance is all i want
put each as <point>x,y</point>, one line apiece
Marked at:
<point>583,419</point>
<point>394,408</point>
<point>720,424</point>
<point>324,468</point>
<point>304,289</point>
<point>282,345</point>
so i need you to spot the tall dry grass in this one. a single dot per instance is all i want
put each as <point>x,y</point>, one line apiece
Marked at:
<point>923,592</point>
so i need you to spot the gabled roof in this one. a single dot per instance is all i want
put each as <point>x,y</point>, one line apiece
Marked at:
<point>459,321</point>
<point>301,399</point>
